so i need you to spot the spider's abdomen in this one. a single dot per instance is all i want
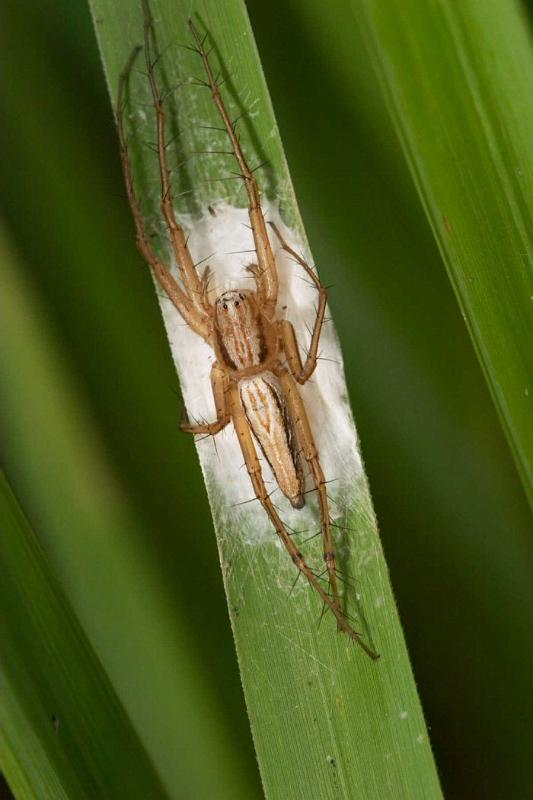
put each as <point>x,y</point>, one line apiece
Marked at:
<point>264,405</point>
<point>241,334</point>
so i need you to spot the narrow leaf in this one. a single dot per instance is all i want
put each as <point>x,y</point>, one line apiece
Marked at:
<point>456,84</point>
<point>327,722</point>
<point>63,730</point>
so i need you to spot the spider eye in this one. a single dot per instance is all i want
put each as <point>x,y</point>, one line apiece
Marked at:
<point>236,303</point>
<point>241,296</point>
<point>224,306</point>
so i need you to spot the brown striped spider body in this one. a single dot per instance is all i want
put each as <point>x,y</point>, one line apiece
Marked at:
<point>247,347</point>
<point>258,366</point>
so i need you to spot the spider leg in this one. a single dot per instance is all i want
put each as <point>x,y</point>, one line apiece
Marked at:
<point>206,277</point>
<point>219,385</point>
<point>302,373</point>
<point>253,466</point>
<point>267,276</point>
<point>302,428</point>
<point>198,322</point>
<point>189,276</point>
<point>290,347</point>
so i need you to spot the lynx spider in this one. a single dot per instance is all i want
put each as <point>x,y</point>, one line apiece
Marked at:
<point>258,366</point>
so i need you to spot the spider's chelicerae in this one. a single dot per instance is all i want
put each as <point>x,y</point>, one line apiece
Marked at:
<point>258,366</point>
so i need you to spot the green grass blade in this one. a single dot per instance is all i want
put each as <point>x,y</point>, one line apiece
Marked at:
<point>64,732</point>
<point>326,721</point>
<point>457,77</point>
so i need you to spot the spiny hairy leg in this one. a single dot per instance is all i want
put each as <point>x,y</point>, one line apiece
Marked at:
<point>198,322</point>
<point>254,470</point>
<point>267,275</point>
<point>306,441</point>
<point>219,384</point>
<point>189,276</point>
<point>302,373</point>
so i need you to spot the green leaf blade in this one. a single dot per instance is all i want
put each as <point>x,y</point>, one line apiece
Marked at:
<point>326,721</point>
<point>59,715</point>
<point>455,85</point>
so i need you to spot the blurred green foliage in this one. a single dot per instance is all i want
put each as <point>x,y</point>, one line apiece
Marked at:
<point>58,712</point>
<point>454,521</point>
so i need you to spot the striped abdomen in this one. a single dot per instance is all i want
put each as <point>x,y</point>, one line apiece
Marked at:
<point>263,404</point>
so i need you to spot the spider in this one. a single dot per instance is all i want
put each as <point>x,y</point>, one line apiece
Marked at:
<point>258,365</point>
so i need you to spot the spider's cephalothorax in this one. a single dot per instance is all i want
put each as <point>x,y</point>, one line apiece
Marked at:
<point>244,338</point>
<point>258,365</point>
